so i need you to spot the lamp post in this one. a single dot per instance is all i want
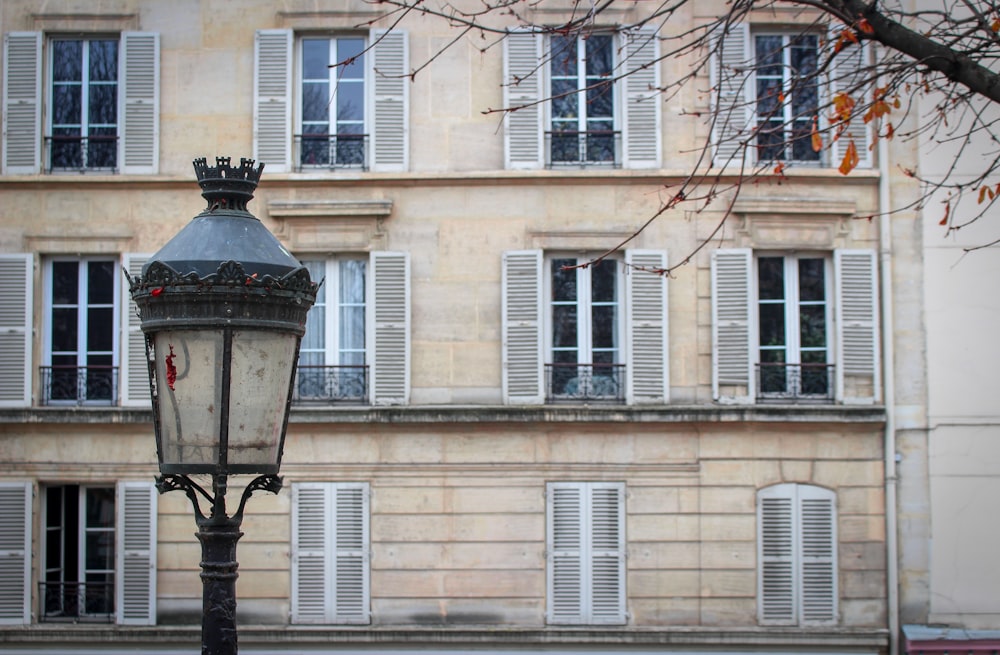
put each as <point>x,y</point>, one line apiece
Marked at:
<point>223,308</point>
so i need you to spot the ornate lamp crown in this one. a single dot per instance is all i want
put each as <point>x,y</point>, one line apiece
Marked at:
<point>225,186</point>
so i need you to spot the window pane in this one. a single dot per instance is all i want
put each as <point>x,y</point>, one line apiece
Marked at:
<point>769,54</point>
<point>67,61</point>
<point>564,326</point>
<point>66,104</point>
<point>350,101</point>
<point>101,282</point>
<point>599,55</point>
<point>772,324</point>
<point>64,330</point>
<point>316,101</point>
<point>565,101</point>
<point>605,333</point>
<point>563,56</point>
<point>812,285</point>
<point>65,283</point>
<point>600,101</point>
<point>352,328</point>
<point>102,150</point>
<point>100,329</point>
<point>604,281</point>
<point>103,105</point>
<point>812,326</point>
<point>351,58</point>
<point>352,281</point>
<point>563,279</point>
<point>315,59</point>
<point>103,61</point>
<point>771,278</point>
<point>100,505</point>
<point>100,551</point>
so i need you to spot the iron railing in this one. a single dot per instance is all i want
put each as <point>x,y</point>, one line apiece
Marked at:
<point>81,153</point>
<point>330,151</point>
<point>331,384</point>
<point>583,148</point>
<point>74,601</point>
<point>79,385</point>
<point>585,382</point>
<point>795,382</point>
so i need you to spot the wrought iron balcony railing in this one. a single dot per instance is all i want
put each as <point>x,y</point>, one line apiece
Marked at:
<point>79,385</point>
<point>331,151</point>
<point>331,384</point>
<point>588,148</point>
<point>585,382</point>
<point>75,601</point>
<point>81,153</point>
<point>795,382</point>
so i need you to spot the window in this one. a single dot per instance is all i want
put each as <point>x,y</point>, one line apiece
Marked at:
<point>797,555</point>
<point>585,320</point>
<point>332,362</point>
<point>585,562</point>
<point>330,102</point>
<point>787,95</point>
<point>583,100</point>
<point>588,333</point>
<point>793,320</point>
<point>81,347</point>
<point>101,98</point>
<point>330,553</point>
<point>767,95</point>
<point>582,121</point>
<point>795,328</point>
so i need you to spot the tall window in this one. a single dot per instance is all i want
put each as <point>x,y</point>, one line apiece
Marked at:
<point>84,113</point>
<point>787,95</point>
<point>80,298</point>
<point>79,550</point>
<point>333,103</point>
<point>583,100</point>
<point>332,362</point>
<point>585,316</point>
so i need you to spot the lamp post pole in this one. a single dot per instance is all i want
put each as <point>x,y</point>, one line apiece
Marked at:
<point>223,308</point>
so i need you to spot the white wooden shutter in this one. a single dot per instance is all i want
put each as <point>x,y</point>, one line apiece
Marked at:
<point>22,102</point>
<point>139,142</point>
<point>135,554</point>
<point>311,570</point>
<point>648,347</point>
<point>817,521</point>
<point>731,80</point>
<point>272,100</point>
<point>522,96</point>
<point>521,318</point>
<point>565,569</point>
<point>389,332</point>
<point>15,553</point>
<point>732,325</point>
<point>776,555</point>
<point>16,278</point>
<point>330,553</point>
<point>390,100</point>
<point>642,99</point>
<point>857,315</point>
<point>607,552</point>
<point>850,74</point>
<point>134,378</point>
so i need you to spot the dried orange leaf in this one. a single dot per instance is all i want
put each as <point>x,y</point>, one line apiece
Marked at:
<point>850,160</point>
<point>817,140</point>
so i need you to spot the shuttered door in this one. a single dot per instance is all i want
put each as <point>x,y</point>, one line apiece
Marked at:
<point>351,544</point>
<point>732,306</point>
<point>140,103</point>
<point>15,553</point>
<point>731,111</point>
<point>607,553</point>
<point>818,561</point>
<point>390,328</point>
<point>857,324</point>
<point>565,553</point>
<point>135,577</point>
<point>646,298</point>
<point>642,99</point>
<point>15,329</point>
<point>522,93</point>
<point>776,541</point>
<point>22,102</point>
<point>134,371</point>
<point>311,575</point>
<point>521,318</point>
<point>390,99</point>
<point>272,103</point>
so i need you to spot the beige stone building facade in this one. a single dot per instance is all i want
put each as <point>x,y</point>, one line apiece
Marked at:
<point>489,448</point>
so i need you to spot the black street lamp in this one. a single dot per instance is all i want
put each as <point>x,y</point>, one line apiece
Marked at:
<point>223,308</point>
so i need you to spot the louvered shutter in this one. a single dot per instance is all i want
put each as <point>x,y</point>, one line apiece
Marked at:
<point>607,553</point>
<point>15,553</point>
<point>390,99</point>
<point>565,570</point>
<point>818,574</point>
<point>351,543</point>
<point>730,79</point>
<point>390,328</point>
<point>858,375</point>
<point>522,87</point>
<point>15,329</point>
<point>311,571</point>
<point>272,102</point>
<point>850,73</point>
<point>732,323</point>
<point>775,554</point>
<point>646,302</point>
<point>642,99</point>
<point>22,102</point>
<point>139,145</point>
<point>135,575</point>
<point>521,318</point>
<point>134,370</point>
